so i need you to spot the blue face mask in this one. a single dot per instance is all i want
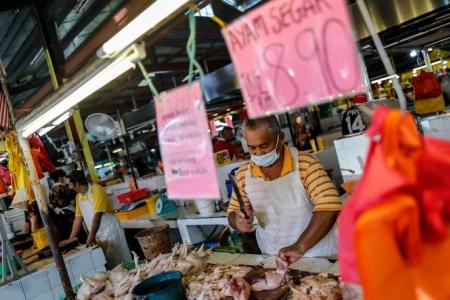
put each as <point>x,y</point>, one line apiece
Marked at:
<point>267,159</point>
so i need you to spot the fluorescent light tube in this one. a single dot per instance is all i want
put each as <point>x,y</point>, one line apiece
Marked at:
<point>385,78</point>
<point>114,70</point>
<point>45,130</point>
<point>63,118</point>
<point>148,19</point>
<point>424,66</point>
<point>117,150</point>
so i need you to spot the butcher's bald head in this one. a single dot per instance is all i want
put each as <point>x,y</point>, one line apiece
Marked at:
<point>262,134</point>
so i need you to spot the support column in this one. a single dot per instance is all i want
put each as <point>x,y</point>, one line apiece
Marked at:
<point>84,144</point>
<point>427,60</point>
<point>366,77</point>
<point>71,139</point>
<point>39,195</point>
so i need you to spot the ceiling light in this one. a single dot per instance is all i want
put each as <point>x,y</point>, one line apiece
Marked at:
<point>430,49</point>
<point>228,109</point>
<point>113,70</point>
<point>151,17</point>
<point>117,150</point>
<point>413,53</point>
<point>385,78</point>
<point>45,130</point>
<point>63,118</point>
<point>432,64</point>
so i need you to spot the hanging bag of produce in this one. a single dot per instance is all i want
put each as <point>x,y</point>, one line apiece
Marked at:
<point>427,93</point>
<point>392,231</point>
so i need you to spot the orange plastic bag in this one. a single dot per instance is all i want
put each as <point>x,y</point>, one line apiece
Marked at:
<point>393,262</point>
<point>400,162</point>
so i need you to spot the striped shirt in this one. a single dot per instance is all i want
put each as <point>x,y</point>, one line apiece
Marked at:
<point>315,180</point>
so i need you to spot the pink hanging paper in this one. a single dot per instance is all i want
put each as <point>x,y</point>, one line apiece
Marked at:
<point>185,144</point>
<point>290,54</point>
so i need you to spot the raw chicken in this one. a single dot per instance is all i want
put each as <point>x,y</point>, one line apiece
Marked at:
<point>274,279</point>
<point>211,283</point>
<point>118,283</point>
<point>317,287</point>
<point>237,288</point>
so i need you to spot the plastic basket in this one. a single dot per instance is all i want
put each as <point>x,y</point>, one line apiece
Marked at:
<point>154,241</point>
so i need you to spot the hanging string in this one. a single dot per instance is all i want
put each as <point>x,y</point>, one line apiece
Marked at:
<point>148,80</point>
<point>191,48</point>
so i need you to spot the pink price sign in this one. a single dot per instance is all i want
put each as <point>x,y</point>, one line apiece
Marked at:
<point>293,53</point>
<point>185,144</point>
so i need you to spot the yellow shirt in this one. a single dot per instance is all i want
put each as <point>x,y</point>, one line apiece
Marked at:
<point>315,180</point>
<point>100,200</point>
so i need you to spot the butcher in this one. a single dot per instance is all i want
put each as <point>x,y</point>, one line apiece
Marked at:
<point>289,193</point>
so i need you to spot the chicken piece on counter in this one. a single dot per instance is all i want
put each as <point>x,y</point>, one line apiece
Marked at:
<point>210,284</point>
<point>273,279</point>
<point>119,282</point>
<point>237,288</point>
<point>317,287</point>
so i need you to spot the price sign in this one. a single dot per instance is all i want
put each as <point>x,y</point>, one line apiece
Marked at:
<point>185,144</point>
<point>292,53</point>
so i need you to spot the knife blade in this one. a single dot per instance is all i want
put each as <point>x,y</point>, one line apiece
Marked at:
<point>238,195</point>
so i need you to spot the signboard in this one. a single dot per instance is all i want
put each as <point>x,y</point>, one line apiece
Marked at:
<point>185,144</point>
<point>292,53</point>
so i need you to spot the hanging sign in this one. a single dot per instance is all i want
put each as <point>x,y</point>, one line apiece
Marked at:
<point>185,144</point>
<point>293,53</point>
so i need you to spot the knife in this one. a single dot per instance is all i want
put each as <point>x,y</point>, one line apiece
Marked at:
<point>238,195</point>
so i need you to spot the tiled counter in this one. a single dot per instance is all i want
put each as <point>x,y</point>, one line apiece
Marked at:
<point>45,284</point>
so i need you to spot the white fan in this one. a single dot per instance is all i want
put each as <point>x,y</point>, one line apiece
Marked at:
<point>102,126</point>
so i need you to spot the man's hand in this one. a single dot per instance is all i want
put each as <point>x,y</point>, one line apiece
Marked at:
<point>90,241</point>
<point>242,224</point>
<point>291,253</point>
<point>66,242</point>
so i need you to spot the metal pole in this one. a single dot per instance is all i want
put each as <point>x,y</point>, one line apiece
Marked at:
<point>427,60</point>
<point>366,77</point>
<point>38,194</point>
<point>382,52</point>
<point>85,145</point>
<point>291,129</point>
<point>123,138</point>
<point>71,139</point>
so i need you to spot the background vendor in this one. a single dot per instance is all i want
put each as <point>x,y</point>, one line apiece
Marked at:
<point>93,206</point>
<point>227,141</point>
<point>290,194</point>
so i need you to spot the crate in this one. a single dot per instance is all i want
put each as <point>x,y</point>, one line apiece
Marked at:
<point>132,196</point>
<point>132,214</point>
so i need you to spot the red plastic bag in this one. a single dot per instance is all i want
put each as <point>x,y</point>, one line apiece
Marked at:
<point>426,86</point>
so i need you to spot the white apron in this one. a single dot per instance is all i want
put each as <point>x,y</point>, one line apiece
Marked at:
<point>110,235</point>
<point>284,210</point>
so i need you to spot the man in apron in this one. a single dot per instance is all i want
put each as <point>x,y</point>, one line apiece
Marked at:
<point>291,196</point>
<point>93,206</point>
